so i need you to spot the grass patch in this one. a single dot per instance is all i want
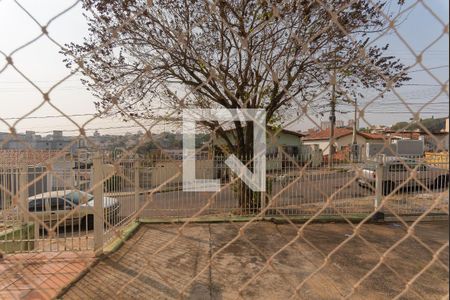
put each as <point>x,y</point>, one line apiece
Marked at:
<point>18,238</point>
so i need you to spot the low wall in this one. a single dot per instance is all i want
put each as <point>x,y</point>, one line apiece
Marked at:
<point>163,171</point>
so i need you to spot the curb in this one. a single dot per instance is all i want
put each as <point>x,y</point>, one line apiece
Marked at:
<point>274,219</point>
<point>128,231</point>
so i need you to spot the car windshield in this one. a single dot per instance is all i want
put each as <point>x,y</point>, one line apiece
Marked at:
<point>76,196</point>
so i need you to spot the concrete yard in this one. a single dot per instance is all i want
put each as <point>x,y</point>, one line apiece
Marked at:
<point>40,275</point>
<point>212,261</point>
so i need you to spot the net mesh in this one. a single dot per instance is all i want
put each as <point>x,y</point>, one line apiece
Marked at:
<point>304,185</point>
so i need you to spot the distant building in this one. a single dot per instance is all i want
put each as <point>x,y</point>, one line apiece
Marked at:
<point>405,147</point>
<point>343,139</point>
<point>378,129</point>
<point>57,135</point>
<point>30,140</point>
<point>403,135</point>
<point>327,124</point>
<point>288,141</point>
<point>438,141</point>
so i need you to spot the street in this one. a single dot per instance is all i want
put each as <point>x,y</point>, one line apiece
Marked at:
<point>306,193</point>
<point>303,196</point>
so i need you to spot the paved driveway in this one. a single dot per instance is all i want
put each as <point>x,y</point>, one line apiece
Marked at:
<point>205,261</point>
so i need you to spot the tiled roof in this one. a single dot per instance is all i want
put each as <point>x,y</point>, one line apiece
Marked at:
<point>338,133</point>
<point>285,131</point>
<point>372,136</point>
<point>325,134</point>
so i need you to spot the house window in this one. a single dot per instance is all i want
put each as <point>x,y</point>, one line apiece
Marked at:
<point>291,150</point>
<point>272,151</point>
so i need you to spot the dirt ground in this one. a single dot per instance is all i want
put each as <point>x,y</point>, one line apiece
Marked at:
<point>265,261</point>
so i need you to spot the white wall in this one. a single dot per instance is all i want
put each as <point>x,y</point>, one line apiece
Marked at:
<point>340,142</point>
<point>323,145</point>
<point>410,147</point>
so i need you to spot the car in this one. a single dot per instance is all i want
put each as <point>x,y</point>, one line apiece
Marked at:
<point>52,207</point>
<point>397,171</point>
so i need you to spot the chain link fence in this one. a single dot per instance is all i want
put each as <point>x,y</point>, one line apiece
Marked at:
<point>147,61</point>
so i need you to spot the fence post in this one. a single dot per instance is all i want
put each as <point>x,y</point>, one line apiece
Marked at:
<point>137,187</point>
<point>378,190</point>
<point>23,191</point>
<point>263,202</point>
<point>98,203</point>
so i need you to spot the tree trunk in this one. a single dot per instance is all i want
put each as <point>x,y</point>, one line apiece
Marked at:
<point>249,200</point>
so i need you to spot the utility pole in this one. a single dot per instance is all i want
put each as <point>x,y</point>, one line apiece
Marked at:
<point>332,118</point>
<point>355,128</point>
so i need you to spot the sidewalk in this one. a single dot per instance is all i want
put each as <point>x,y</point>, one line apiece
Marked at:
<point>40,275</point>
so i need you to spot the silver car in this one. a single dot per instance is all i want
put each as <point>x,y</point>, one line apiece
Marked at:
<point>55,206</point>
<point>397,171</point>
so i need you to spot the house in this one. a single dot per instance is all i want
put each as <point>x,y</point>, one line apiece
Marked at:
<point>378,129</point>
<point>278,141</point>
<point>327,124</point>
<point>402,135</point>
<point>439,141</point>
<point>287,141</point>
<point>283,146</point>
<point>343,139</point>
<point>436,142</point>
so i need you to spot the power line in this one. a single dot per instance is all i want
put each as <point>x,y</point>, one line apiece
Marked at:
<point>71,79</point>
<point>94,129</point>
<point>402,112</point>
<point>400,104</point>
<point>81,115</point>
<point>423,84</point>
<point>47,117</point>
<point>427,69</point>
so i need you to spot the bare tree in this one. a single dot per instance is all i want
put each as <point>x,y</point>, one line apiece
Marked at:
<point>268,54</point>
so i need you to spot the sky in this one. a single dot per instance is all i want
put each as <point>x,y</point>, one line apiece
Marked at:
<point>22,104</point>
